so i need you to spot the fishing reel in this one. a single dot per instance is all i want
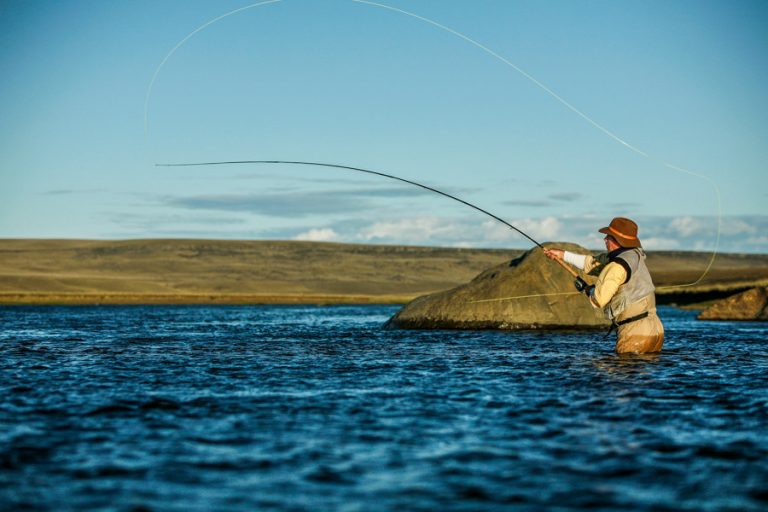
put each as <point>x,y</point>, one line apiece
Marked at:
<point>583,287</point>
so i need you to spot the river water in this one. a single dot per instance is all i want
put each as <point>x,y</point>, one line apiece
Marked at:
<point>320,408</point>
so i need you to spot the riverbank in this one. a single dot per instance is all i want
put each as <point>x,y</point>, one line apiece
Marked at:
<point>82,299</point>
<point>293,272</point>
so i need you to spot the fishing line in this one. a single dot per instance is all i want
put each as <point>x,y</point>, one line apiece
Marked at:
<point>522,297</point>
<point>500,58</point>
<point>180,44</point>
<point>367,171</point>
<point>581,114</point>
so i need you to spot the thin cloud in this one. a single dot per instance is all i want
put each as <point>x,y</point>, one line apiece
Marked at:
<point>165,221</point>
<point>275,205</point>
<point>413,230</point>
<point>182,233</point>
<point>566,196</point>
<point>532,203</point>
<point>758,241</point>
<point>293,205</point>
<point>688,226</point>
<point>547,228</point>
<point>656,233</point>
<point>739,234</point>
<point>67,191</point>
<point>346,178</point>
<point>350,178</point>
<point>625,206</point>
<point>552,199</point>
<point>660,244</point>
<point>739,227</point>
<point>386,192</point>
<point>317,235</point>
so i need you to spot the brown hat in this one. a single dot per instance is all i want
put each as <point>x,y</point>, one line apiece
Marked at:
<point>624,231</point>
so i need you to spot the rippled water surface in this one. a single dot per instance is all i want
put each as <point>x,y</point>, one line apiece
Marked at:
<point>320,408</point>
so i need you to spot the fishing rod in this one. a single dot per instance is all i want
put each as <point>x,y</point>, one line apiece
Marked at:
<point>347,167</point>
<point>375,173</point>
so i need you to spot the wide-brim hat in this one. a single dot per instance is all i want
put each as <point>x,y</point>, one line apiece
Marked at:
<point>624,231</point>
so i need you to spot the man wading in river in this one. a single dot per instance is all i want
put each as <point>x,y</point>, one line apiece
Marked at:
<point>624,289</point>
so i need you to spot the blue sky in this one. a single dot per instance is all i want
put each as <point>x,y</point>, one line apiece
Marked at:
<point>348,83</point>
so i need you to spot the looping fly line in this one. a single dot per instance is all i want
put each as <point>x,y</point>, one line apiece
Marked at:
<point>496,56</point>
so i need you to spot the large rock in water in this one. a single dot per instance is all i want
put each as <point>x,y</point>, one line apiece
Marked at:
<point>530,274</point>
<point>749,305</point>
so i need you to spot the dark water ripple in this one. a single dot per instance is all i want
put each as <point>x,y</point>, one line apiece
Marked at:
<point>307,408</point>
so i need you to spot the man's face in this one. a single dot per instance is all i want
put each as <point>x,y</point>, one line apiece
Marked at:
<point>610,243</point>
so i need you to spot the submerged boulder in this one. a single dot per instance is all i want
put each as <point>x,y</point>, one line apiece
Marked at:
<point>535,293</point>
<point>749,305</point>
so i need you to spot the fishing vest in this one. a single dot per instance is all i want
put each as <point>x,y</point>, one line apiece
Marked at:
<point>638,284</point>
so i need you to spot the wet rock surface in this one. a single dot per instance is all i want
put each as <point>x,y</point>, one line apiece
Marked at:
<point>749,305</point>
<point>536,293</point>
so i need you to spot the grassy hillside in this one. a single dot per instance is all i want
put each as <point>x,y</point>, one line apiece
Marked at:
<point>216,271</point>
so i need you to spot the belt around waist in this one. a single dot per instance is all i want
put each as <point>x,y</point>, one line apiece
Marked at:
<point>631,319</point>
<point>615,324</point>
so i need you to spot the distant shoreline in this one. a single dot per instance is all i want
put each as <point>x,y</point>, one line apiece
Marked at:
<point>87,299</point>
<point>693,299</point>
<point>178,271</point>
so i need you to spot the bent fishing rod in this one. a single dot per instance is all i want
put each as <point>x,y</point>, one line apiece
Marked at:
<point>375,173</point>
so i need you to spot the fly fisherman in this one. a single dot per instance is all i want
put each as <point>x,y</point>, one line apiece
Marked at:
<point>624,289</point>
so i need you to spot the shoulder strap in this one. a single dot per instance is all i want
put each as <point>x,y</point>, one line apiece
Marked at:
<point>628,259</point>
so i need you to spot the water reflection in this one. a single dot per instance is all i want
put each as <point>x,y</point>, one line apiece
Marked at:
<point>628,363</point>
